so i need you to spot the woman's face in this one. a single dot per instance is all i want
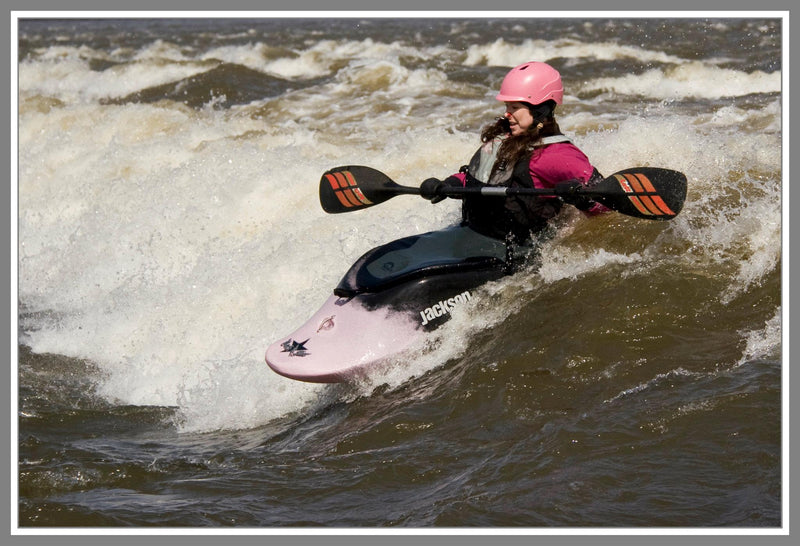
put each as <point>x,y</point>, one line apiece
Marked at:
<point>519,117</point>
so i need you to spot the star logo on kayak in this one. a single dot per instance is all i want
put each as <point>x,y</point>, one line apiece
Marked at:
<point>295,348</point>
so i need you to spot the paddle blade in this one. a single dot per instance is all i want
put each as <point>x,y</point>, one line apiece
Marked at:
<point>354,187</point>
<point>644,192</point>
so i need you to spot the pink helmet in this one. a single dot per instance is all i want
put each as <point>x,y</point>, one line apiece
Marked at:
<point>532,82</point>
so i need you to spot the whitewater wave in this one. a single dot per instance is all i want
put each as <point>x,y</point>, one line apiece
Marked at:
<point>689,80</point>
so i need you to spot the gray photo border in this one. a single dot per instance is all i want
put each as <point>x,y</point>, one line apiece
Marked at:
<point>613,8</point>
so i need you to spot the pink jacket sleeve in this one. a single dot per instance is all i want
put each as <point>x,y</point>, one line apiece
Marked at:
<point>560,162</point>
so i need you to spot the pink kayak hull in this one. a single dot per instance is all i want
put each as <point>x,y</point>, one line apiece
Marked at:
<point>341,342</point>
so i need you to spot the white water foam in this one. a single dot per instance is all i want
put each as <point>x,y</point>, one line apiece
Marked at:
<point>504,53</point>
<point>173,273</point>
<point>689,79</point>
<point>70,79</point>
<point>764,343</point>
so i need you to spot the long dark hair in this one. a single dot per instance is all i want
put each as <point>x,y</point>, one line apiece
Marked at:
<point>515,148</point>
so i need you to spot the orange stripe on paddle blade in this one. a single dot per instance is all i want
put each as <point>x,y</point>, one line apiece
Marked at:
<point>648,186</point>
<point>650,205</point>
<point>349,177</point>
<point>340,178</point>
<point>353,192</point>
<point>634,182</point>
<point>342,199</point>
<point>662,205</point>
<point>351,197</point>
<point>332,181</point>
<point>639,206</point>
<point>658,205</point>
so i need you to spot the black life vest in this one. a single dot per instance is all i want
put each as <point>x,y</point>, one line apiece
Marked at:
<point>513,218</point>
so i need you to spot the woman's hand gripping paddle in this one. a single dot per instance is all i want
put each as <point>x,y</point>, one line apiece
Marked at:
<point>644,192</point>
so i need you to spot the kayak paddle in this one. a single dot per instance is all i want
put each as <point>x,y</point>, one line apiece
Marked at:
<point>651,193</point>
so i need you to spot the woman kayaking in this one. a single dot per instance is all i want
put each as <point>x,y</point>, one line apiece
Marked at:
<point>524,148</point>
<point>514,185</point>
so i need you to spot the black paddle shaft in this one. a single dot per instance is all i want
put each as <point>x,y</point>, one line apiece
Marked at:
<point>645,192</point>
